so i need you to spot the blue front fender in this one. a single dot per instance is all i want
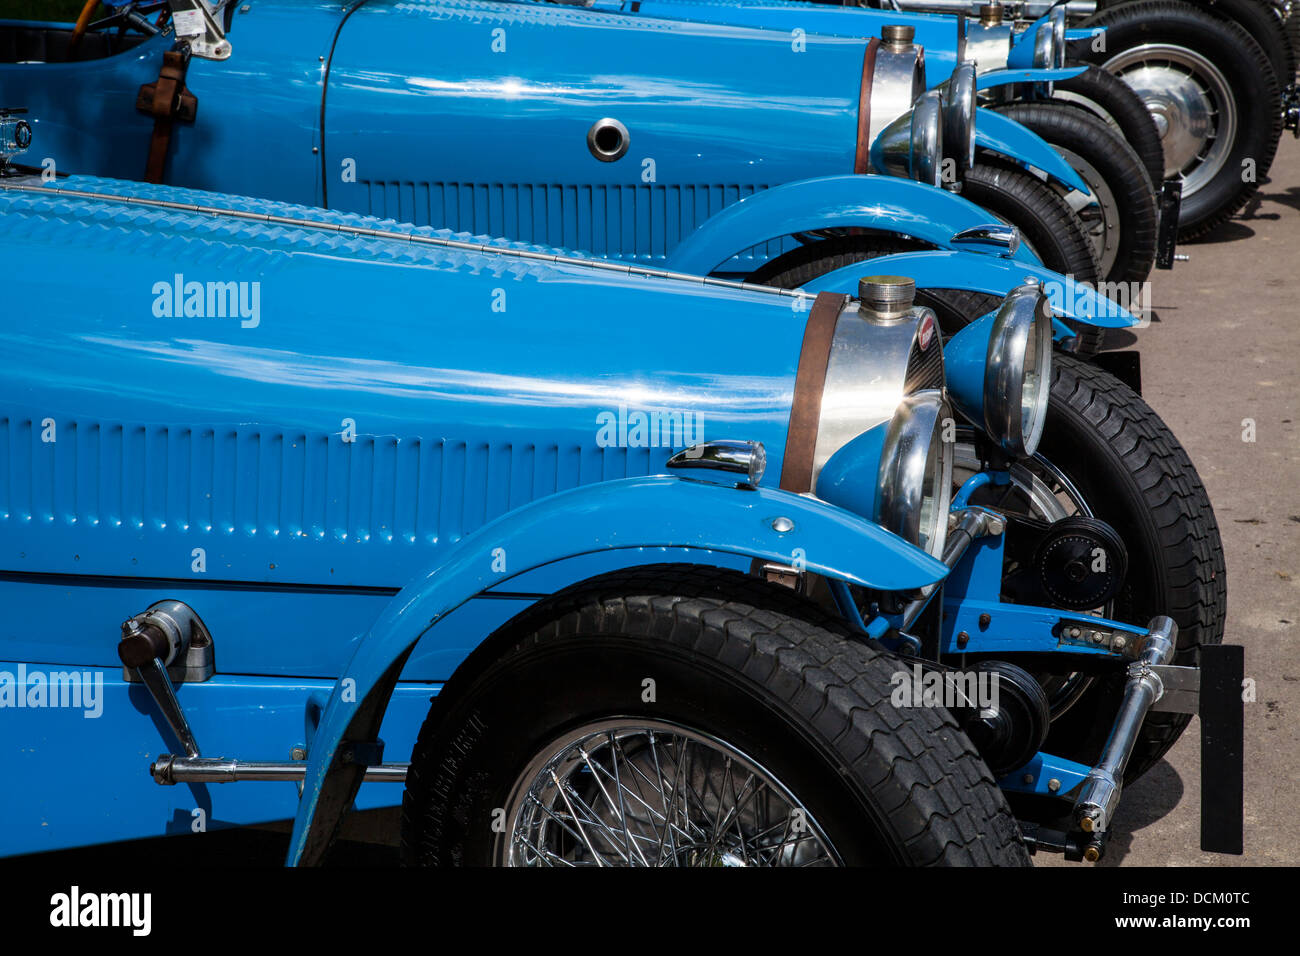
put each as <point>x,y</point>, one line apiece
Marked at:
<point>997,133</point>
<point>1022,44</point>
<point>1073,35</point>
<point>973,272</point>
<point>987,81</point>
<point>633,513</point>
<point>901,206</point>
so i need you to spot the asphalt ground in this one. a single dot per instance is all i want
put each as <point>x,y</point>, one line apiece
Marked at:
<point>1223,347</point>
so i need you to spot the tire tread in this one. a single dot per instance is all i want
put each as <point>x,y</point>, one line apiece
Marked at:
<point>800,655</point>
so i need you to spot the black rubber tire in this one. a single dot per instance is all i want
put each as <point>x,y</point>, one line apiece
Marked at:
<point>1114,100</point>
<point>1013,196</point>
<point>1245,68</point>
<point>1135,476</point>
<point>802,265</point>
<point>750,663</point>
<point>1265,28</point>
<point>1045,221</point>
<point>954,308</point>
<point>1291,30</point>
<point>1261,21</point>
<point>1106,151</point>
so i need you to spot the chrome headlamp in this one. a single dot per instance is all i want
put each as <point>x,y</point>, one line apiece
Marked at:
<point>915,478</point>
<point>911,147</point>
<point>959,118</point>
<point>1049,42</point>
<point>1018,371</point>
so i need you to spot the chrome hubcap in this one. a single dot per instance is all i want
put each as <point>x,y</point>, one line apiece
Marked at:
<point>1192,105</point>
<point>1098,211</point>
<point>633,792</point>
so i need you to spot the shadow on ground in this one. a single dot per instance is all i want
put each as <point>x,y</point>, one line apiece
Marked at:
<point>1146,801</point>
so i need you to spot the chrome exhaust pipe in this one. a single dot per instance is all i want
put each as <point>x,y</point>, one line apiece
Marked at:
<point>169,770</point>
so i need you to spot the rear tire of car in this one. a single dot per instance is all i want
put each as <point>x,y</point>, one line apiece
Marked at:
<point>1221,49</point>
<point>1122,220</point>
<point>1262,23</point>
<point>714,654</point>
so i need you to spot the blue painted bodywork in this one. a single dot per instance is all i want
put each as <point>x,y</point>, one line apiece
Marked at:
<point>999,134</point>
<point>913,209</point>
<point>941,269</point>
<point>654,512</point>
<point>1022,44</point>
<point>940,36</point>
<point>231,714</point>
<point>994,78</point>
<point>474,484</point>
<point>133,439</point>
<point>344,455</point>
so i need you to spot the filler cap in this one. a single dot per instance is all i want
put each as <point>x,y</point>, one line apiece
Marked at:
<point>887,294</point>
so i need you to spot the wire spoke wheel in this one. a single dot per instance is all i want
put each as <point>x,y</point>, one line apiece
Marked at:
<point>632,792</point>
<point>772,741</point>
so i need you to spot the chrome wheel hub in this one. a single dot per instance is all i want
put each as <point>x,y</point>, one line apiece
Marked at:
<point>1191,103</point>
<point>633,792</point>
<point>1098,211</point>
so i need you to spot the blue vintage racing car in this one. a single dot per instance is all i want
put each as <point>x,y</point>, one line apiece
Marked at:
<point>583,562</point>
<point>1100,125</point>
<point>703,147</point>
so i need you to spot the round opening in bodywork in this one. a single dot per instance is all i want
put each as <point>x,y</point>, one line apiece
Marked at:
<point>608,140</point>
